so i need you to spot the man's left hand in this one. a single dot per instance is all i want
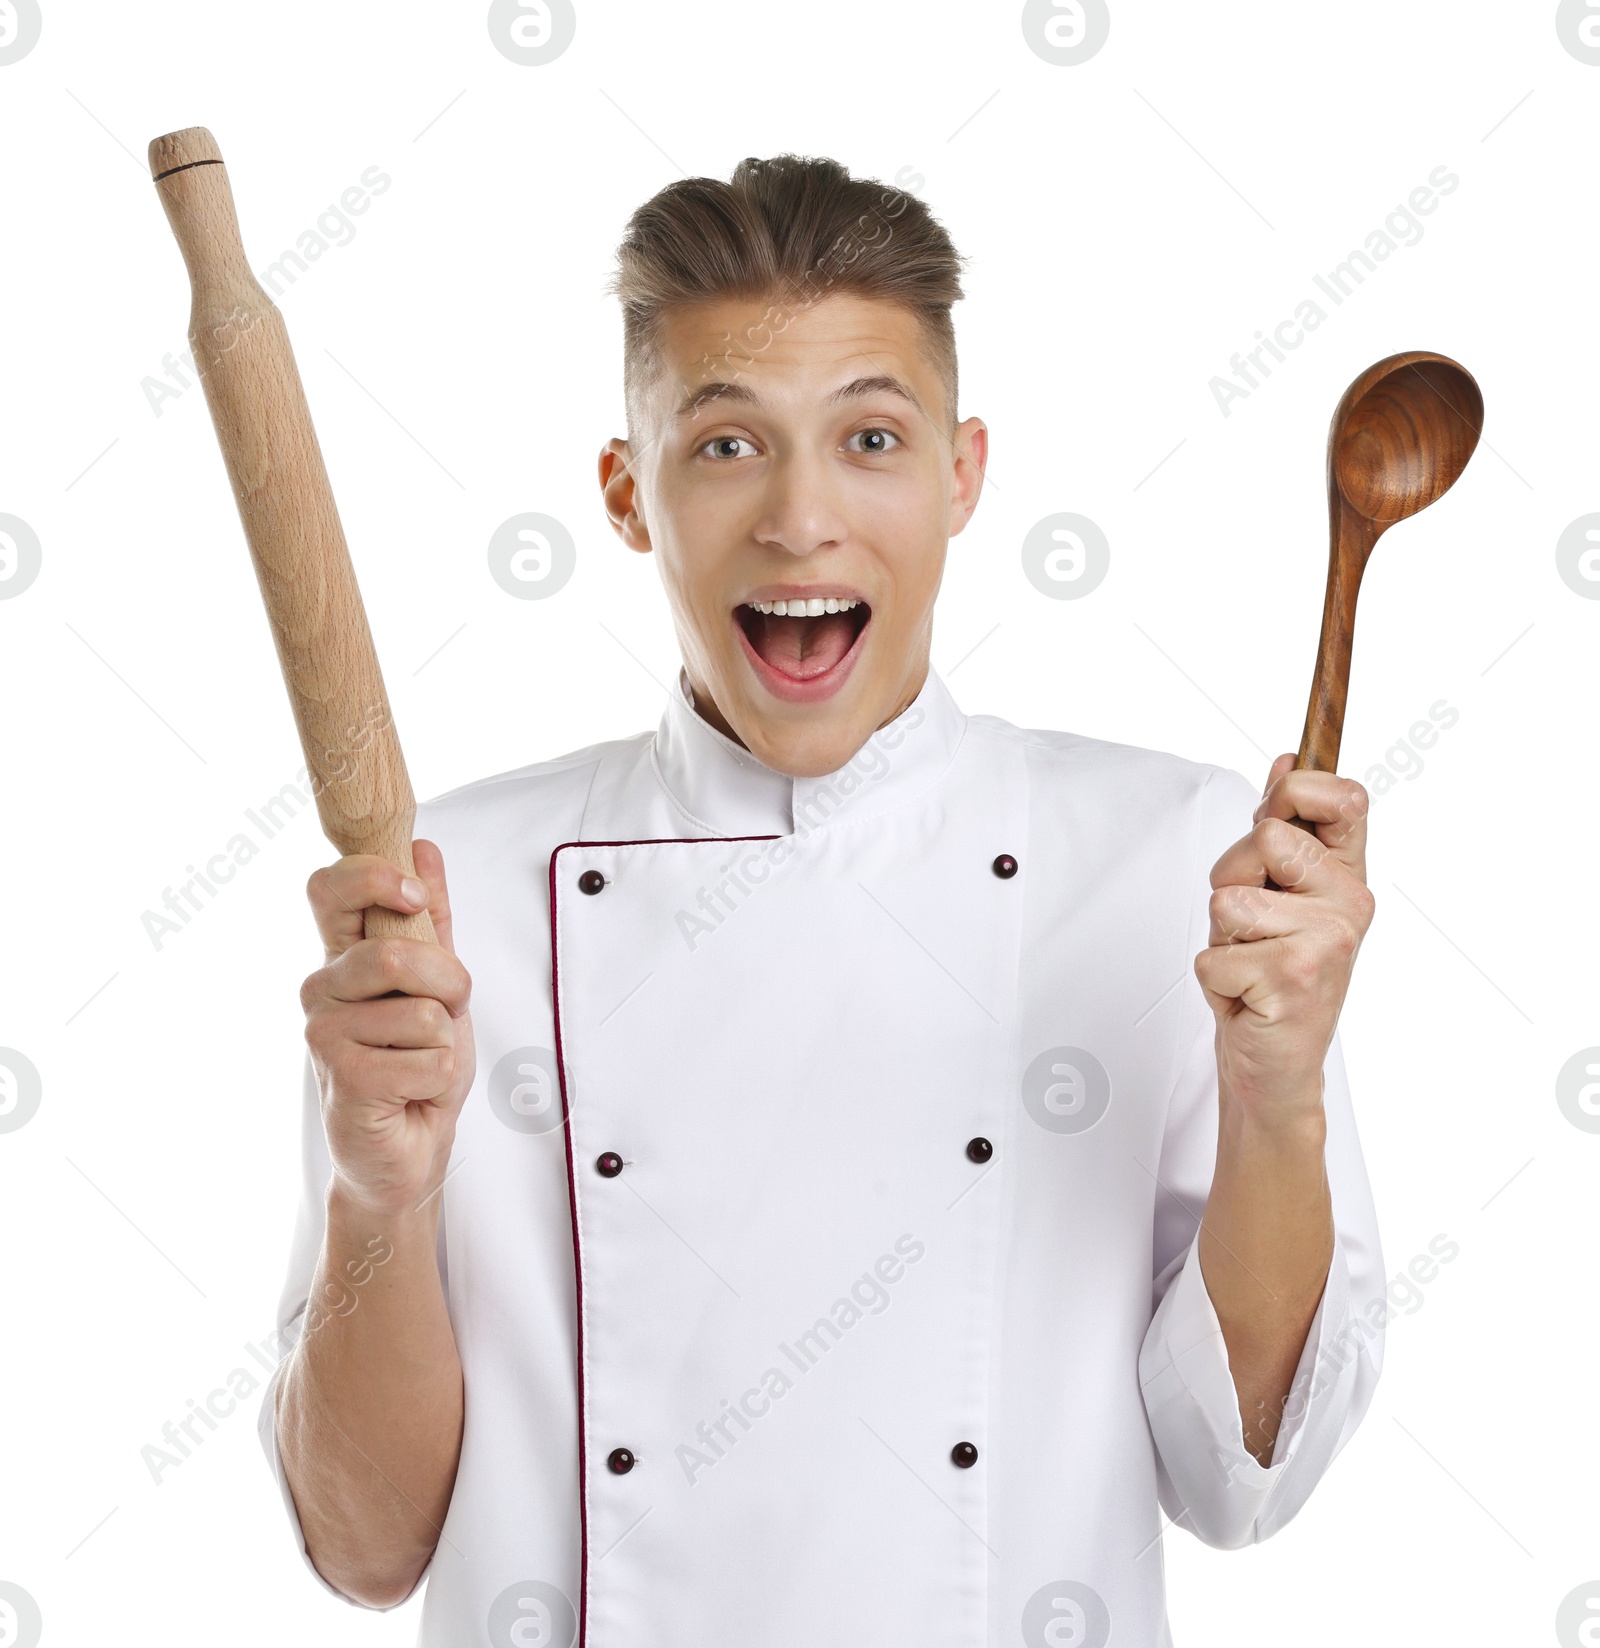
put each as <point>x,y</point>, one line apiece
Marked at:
<point>1279,961</point>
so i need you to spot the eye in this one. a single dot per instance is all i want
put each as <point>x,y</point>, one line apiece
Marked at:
<point>874,441</point>
<point>718,447</point>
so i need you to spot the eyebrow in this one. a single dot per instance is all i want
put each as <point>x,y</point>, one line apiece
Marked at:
<point>856,389</point>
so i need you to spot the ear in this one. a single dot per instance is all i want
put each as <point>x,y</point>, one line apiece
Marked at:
<point>619,491</point>
<point>971,444</point>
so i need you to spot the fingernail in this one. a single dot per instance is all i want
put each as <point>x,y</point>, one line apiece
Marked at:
<point>413,892</point>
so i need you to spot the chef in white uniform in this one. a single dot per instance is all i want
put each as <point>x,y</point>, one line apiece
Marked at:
<point>797,1238</point>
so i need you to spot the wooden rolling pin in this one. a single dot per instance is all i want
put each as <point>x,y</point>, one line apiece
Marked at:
<point>244,358</point>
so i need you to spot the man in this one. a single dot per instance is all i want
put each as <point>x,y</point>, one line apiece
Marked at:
<point>800,1239</point>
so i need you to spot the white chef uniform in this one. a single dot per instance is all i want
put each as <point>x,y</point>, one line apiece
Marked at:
<point>822,1126</point>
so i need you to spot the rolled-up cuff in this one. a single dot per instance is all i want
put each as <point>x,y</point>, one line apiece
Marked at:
<point>1221,1493</point>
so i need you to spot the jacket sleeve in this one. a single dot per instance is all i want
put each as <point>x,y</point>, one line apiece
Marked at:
<point>1207,1480</point>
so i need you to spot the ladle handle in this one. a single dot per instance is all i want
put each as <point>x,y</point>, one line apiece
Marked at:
<point>1351,537</point>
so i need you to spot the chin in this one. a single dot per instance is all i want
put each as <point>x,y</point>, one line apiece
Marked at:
<point>808,751</point>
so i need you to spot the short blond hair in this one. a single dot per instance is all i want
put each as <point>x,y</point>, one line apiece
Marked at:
<point>792,229</point>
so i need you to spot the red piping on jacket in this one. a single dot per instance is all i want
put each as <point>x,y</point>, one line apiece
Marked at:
<point>572,1187</point>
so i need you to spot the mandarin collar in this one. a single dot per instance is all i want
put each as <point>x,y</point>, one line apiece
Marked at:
<point>725,791</point>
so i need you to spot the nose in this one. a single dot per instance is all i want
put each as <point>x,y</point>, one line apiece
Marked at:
<point>799,511</point>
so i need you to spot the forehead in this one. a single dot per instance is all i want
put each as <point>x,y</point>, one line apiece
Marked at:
<point>774,349</point>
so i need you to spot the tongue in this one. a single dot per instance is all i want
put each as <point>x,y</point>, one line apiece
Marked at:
<point>801,647</point>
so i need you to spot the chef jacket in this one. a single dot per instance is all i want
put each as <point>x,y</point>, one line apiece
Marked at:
<point>820,1232</point>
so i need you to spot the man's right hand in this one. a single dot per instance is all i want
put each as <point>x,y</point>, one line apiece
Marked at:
<point>370,1409</point>
<point>389,1031</point>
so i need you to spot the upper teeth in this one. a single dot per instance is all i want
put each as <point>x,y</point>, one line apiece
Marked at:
<point>813,607</point>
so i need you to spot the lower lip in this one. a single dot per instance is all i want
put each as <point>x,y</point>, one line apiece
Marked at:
<point>815,689</point>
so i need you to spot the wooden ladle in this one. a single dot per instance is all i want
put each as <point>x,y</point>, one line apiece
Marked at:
<point>1401,436</point>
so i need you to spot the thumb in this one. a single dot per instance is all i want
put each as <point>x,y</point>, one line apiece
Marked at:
<point>1279,769</point>
<point>430,869</point>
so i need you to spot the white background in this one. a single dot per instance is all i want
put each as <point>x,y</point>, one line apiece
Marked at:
<point>463,363</point>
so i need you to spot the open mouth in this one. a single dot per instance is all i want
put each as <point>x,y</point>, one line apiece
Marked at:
<point>804,647</point>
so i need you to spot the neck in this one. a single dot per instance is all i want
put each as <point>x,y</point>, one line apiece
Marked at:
<point>705,706</point>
